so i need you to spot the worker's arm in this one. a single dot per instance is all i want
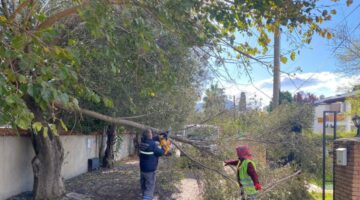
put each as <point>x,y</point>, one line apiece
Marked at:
<point>158,151</point>
<point>252,173</point>
<point>231,162</point>
<point>156,138</point>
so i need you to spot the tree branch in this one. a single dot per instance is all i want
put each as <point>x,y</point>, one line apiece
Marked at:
<point>68,12</point>
<point>135,117</point>
<point>56,17</point>
<point>4,5</point>
<point>121,121</point>
<point>272,185</point>
<point>142,126</point>
<point>18,9</point>
<point>204,166</point>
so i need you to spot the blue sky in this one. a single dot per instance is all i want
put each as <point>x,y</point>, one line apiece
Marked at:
<point>320,70</point>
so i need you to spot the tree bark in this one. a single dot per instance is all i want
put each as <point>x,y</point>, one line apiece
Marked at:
<point>103,144</point>
<point>47,164</point>
<point>48,160</point>
<point>276,84</point>
<point>108,161</point>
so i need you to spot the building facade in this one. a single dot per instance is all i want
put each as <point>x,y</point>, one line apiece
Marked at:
<point>341,106</point>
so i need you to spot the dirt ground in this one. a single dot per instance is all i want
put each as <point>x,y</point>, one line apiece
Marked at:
<point>122,183</point>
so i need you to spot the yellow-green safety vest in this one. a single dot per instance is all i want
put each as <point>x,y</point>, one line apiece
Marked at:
<point>245,179</point>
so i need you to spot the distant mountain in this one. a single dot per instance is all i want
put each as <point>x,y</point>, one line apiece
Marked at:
<point>199,106</point>
<point>229,105</point>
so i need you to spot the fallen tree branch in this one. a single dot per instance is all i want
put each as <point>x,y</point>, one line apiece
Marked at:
<point>135,117</point>
<point>121,121</point>
<point>142,126</point>
<point>272,185</point>
<point>204,121</point>
<point>202,165</point>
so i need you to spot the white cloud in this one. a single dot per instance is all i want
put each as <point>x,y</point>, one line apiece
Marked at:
<point>322,83</point>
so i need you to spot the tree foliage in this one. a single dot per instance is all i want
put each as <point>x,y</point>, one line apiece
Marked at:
<point>285,98</point>
<point>305,98</point>
<point>52,53</point>
<point>273,132</point>
<point>242,102</point>
<point>215,100</point>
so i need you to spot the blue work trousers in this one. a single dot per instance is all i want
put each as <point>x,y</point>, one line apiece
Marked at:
<point>147,182</point>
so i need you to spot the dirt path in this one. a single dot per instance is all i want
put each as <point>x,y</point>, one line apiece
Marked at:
<point>189,190</point>
<point>122,183</point>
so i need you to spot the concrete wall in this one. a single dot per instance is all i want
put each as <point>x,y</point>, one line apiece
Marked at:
<point>78,149</point>
<point>126,147</point>
<point>16,153</point>
<point>15,165</point>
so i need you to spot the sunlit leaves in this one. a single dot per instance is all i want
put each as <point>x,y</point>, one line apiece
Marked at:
<point>302,17</point>
<point>37,126</point>
<point>283,59</point>
<point>63,125</point>
<point>108,102</point>
<point>292,56</point>
<point>53,129</point>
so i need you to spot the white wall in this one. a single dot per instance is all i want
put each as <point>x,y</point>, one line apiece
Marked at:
<point>16,174</point>
<point>126,147</point>
<point>345,125</point>
<point>319,109</point>
<point>16,153</point>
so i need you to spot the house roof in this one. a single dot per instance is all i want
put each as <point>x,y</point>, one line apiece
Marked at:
<point>337,98</point>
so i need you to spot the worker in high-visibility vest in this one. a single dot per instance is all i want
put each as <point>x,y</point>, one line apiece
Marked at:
<point>246,172</point>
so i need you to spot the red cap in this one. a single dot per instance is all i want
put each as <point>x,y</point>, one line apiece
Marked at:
<point>243,152</point>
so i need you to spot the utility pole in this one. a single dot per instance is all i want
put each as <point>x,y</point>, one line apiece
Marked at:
<point>234,109</point>
<point>276,84</point>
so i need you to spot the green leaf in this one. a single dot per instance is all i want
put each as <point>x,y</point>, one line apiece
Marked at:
<point>108,102</point>
<point>72,42</point>
<point>45,132</point>
<point>22,79</point>
<point>10,99</point>
<point>64,98</point>
<point>333,12</point>
<point>18,42</point>
<point>63,125</point>
<point>37,126</point>
<point>292,56</point>
<point>349,2</point>
<point>41,16</point>
<point>53,129</point>
<point>10,75</point>
<point>23,119</point>
<point>283,59</point>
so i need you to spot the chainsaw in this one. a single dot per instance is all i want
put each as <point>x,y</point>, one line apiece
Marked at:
<point>165,142</point>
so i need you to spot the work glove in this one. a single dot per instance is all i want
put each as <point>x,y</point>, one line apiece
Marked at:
<point>258,186</point>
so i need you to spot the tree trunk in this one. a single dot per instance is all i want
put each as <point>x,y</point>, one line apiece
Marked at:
<point>103,144</point>
<point>108,161</point>
<point>48,160</point>
<point>276,84</point>
<point>47,164</point>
